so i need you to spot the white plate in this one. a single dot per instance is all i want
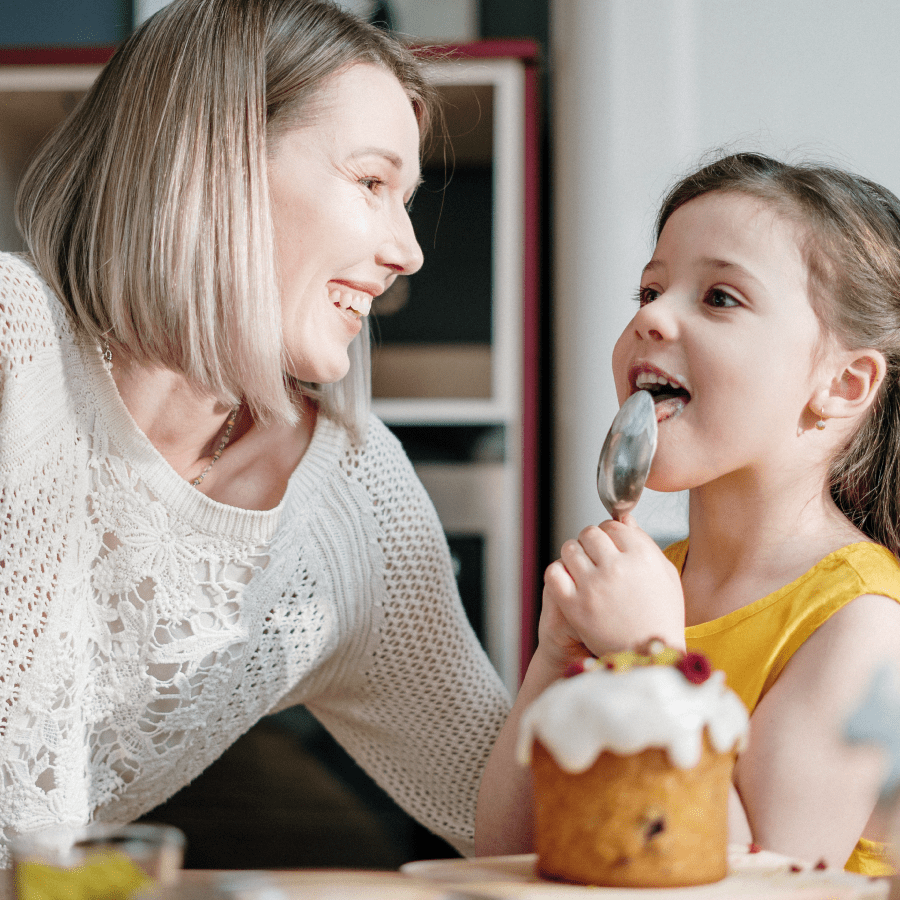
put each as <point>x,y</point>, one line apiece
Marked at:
<point>763,875</point>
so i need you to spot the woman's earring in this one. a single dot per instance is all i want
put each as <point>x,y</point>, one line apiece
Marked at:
<point>820,424</point>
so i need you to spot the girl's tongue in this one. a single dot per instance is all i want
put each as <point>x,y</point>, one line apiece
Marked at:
<point>669,407</point>
<point>669,394</point>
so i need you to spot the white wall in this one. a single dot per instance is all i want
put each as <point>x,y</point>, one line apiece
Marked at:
<point>641,88</point>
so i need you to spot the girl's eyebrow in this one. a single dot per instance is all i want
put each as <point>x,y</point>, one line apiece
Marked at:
<point>718,265</point>
<point>724,265</point>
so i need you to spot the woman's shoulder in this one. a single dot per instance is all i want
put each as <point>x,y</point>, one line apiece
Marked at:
<point>379,460</point>
<point>381,438</point>
<point>28,308</point>
<point>18,275</point>
<point>374,458</point>
<point>375,445</point>
<point>385,452</point>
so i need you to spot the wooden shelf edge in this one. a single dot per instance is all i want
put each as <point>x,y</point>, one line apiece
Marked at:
<point>55,56</point>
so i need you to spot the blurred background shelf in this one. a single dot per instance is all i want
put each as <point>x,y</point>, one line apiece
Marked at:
<point>456,343</point>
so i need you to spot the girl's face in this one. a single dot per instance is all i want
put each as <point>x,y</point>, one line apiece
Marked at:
<point>339,187</point>
<point>726,339</point>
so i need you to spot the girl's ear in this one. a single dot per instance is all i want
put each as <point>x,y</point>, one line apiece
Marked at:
<point>854,390</point>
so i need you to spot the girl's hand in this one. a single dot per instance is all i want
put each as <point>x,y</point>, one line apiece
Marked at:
<point>612,589</point>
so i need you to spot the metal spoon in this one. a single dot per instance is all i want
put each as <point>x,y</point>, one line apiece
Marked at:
<point>626,455</point>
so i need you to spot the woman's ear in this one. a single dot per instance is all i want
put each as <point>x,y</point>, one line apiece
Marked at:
<point>852,391</point>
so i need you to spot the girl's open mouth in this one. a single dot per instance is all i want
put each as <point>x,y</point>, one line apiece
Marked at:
<point>670,396</point>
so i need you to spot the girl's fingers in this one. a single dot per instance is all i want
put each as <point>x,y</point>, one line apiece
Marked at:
<point>601,543</point>
<point>557,578</point>
<point>575,558</point>
<point>626,535</point>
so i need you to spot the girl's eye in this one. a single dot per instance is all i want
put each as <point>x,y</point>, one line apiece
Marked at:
<point>719,299</point>
<point>646,295</point>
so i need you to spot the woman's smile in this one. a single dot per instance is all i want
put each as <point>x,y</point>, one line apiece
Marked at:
<point>354,297</point>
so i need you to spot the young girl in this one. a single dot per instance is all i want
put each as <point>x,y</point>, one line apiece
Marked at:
<point>768,331</point>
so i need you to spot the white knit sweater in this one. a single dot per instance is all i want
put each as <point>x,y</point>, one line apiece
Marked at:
<point>145,627</point>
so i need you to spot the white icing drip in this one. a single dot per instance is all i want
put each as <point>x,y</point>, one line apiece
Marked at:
<point>576,719</point>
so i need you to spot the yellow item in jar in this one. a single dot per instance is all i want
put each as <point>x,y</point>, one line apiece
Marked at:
<point>104,876</point>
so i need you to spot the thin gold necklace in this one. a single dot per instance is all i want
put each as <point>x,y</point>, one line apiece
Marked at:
<point>107,357</point>
<point>229,427</point>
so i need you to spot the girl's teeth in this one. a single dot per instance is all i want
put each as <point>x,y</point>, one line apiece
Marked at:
<point>644,379</point>
<point>356,301</point>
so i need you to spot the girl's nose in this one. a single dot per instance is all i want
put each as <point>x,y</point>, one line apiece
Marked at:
<point>656,320</point>
<point>401,251</point>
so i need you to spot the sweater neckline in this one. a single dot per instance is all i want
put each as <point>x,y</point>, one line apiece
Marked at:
<point>180,496</point>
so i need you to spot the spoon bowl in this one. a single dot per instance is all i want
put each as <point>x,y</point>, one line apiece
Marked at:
<point>627,454</point>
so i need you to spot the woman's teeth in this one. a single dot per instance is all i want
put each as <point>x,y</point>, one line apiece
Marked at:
<point>358,302</point>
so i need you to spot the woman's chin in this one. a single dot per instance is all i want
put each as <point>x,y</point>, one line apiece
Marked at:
<point>328,373</point>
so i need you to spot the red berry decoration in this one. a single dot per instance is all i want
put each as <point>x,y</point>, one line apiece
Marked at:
<point>796,868</point>
<point>821,864</point>
<point>695,667</point>
<point>755,848</point>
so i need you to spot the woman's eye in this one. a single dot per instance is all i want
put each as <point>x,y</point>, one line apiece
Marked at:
<point>646,295</point>
<point>719,299</point>
<point>370,182</point>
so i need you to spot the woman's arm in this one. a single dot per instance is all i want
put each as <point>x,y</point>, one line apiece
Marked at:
<point>806,791</point>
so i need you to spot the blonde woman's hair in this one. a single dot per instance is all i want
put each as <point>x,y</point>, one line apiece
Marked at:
<point>147,211</point>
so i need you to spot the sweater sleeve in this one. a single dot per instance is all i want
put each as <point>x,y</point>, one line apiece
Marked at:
<point>424,713</point>
<point>36,446</point>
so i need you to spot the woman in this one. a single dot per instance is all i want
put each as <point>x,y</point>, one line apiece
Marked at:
<point>201,522</point>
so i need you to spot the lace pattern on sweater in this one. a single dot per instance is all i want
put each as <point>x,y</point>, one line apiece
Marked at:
<point>143,629</point>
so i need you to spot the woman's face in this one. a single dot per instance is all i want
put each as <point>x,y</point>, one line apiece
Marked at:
<point>339,186</point>
<point>727,338</point>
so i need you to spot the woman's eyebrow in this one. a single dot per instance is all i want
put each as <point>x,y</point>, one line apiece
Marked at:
<point>393,158</point>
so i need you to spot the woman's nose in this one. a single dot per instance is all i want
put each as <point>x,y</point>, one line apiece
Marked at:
<point>401,251</point>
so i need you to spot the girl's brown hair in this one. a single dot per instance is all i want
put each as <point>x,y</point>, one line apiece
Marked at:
<point>851,245</point>
<point>147,211</point>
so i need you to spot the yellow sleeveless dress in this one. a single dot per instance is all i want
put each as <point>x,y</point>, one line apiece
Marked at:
<point>753,644</point>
